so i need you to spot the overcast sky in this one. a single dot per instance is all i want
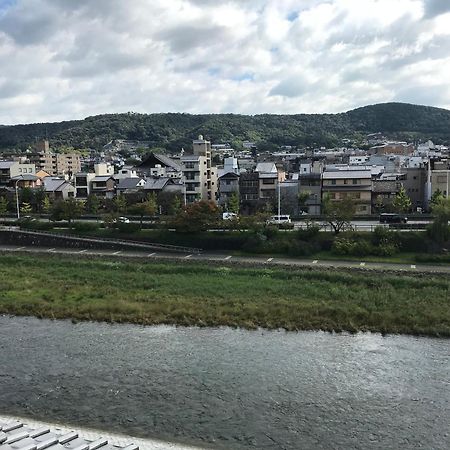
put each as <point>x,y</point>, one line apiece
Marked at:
<point>65,59</point>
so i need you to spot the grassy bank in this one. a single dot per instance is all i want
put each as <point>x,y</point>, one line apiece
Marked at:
<point>204,295</point>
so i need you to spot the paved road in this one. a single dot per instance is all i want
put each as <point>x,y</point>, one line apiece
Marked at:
<point>230,259</point>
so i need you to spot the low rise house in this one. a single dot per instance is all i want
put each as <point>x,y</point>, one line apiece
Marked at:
<point>58,188</point>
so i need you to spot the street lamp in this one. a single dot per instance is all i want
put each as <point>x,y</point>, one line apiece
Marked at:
<point>17,200</point>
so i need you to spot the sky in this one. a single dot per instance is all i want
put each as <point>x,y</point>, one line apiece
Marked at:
<point>69,59</point>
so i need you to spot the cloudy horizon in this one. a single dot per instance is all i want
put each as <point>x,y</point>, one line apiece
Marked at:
<point>63,60</point>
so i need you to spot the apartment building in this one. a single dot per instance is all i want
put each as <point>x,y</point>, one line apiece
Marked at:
<point>356,184</point>
<point>54,163</point>
<point>198,174</point>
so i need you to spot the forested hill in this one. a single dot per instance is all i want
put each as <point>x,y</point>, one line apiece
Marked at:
<point>173,131</point>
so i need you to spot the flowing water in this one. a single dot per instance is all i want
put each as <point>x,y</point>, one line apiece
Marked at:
<point>225,388</point>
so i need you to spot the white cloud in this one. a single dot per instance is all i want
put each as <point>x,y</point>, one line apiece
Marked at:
<point>63,60</point>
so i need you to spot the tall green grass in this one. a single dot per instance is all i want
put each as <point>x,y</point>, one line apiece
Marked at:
<point>203,295</point>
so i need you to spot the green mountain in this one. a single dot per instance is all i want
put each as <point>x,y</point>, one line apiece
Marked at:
<point>173,131</point>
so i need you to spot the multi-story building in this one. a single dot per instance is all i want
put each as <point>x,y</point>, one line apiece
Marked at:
<point>84,180</point>
<point>198,174</point>
<point>54,163</point>
<point>354,184</point>
<point>13,169</point>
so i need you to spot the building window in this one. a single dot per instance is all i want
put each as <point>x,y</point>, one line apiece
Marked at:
<point>355,181</point>
<point>333,182</point>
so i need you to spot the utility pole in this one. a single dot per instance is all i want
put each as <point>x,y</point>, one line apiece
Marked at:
<point>279,201</point>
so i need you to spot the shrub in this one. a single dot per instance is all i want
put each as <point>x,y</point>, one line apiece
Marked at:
<point>345,246</point>
<point>36,225</point>
<point>309,233</point>
<point>413,241</point>
<point>303,248</point>
<point>86,226</point>
<point>271,231</point>
<point>128,227</point>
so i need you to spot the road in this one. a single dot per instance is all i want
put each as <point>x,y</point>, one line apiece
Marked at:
<point>231,259</point>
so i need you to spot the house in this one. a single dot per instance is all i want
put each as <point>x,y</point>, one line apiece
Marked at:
<point>228,186</point>
<point>156,164</point>
<point>356,184</point>
<point>26,181</point>
<point>156,185</point>
<point>103,186</point>
<point>129,185</point>
<point>58,188</point>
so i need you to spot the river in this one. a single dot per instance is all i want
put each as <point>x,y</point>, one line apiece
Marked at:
<point>224,388</point>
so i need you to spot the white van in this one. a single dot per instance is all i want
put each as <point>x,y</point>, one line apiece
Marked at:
<point>275,220</point>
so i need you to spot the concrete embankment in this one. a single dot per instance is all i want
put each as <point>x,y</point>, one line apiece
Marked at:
<point>12,236</point>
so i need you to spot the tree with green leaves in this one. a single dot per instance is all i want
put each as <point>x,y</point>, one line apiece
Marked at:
<point>3,206</point>
<point>233,203</point>
<point>26,195</point>
<point>92,204</point>
<point>302,198</point>
<point>379,204</point>
<point>175,205</point>
<point>69,210</point>
<point>46,205</point>
<point>401,202</point>
<point>436,198</point>
<point>150,204</point>
<point>39,197</point>
<point>338,214</point>
<point>120,203</point>
<point>198,216</point>
<point>439,230</point>
<point>26,208</point>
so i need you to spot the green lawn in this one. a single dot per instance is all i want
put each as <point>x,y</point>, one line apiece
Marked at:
<point>206,295</point>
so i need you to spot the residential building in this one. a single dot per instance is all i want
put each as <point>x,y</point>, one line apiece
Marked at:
<point>228,186</point>
<point>83,180</point>
<point>198,174</point>
<point>356,184</point>
<point>159,165</point>
<point>249,191</point>
<point>54,163</point>
<point>58,188</point>
<point>11,169</point>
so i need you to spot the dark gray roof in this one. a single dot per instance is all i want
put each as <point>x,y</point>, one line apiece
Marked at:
<point>27,177</point>
<point>128,183</point>
<point>52,184</point>
<point>156,184</point>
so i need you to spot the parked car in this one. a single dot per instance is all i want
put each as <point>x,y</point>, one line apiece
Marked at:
<point>392,218</point>
<point>229,216</point>
<point>123,220</point>
<point>276,220</point>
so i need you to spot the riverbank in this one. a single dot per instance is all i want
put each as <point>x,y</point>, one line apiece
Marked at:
<point>192,293</point>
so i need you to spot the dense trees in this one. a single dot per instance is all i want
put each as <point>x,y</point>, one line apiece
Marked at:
<point>173,131</point>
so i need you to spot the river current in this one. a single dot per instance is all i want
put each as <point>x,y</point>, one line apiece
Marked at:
<point>230,389</point>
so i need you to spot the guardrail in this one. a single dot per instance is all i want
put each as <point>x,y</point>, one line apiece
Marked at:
<point>137,244</point>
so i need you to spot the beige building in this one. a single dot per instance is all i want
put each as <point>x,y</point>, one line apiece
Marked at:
<point>54,163</point>
<point>198,174</point>
<point>356,184</point>
<point>440,180</point>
